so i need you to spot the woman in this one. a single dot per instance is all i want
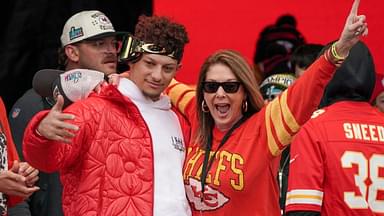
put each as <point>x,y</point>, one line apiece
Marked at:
<point>234,153</point>
<point>16,179</point>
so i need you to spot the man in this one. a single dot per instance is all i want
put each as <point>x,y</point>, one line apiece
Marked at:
<point>274,85</point>
<point>89,42</point>
<point>121,151</point>
<point>337,157</point>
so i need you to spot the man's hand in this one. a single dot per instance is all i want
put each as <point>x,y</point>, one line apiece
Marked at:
<point>114,79</point>
<point>54,127</point>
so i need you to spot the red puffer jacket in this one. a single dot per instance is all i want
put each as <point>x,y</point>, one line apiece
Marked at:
<point>107,169</point>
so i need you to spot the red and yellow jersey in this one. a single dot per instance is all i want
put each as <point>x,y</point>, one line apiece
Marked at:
<point>337,162</point>
<point>242,178</point>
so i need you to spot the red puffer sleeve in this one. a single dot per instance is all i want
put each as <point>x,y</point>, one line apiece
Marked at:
<point>49,155</point>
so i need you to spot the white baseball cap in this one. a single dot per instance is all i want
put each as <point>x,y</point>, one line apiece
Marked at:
<point>77,84</point>
<point>73,85</point>
<point>85,25</point>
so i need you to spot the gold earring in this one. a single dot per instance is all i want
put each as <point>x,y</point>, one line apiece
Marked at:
<point>204,107</point>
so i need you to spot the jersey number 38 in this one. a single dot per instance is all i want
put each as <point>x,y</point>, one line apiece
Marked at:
<point>366,168</point>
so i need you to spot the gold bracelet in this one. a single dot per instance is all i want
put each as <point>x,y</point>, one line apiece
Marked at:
<point>335,54</point>
<point>330,58</point>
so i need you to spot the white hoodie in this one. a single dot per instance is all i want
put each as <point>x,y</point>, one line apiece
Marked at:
<point>168,150</point>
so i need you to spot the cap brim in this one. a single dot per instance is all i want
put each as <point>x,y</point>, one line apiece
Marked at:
<point>43,81</point>
<point>108,34</point>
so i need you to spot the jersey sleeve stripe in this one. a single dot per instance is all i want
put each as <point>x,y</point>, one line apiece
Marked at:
<point>282,134</point>
<point>180,95</point>
<point>312,197</point>
<point>272,145</point>
<point>184,99</point>
<point>287,114</point>
<point>306,201</point>
<point>280,124</point>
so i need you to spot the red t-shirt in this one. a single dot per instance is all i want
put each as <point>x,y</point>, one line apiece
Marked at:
<point>242,178</point>
<point>337,162</point>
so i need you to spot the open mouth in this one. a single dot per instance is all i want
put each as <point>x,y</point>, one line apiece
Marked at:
<point>222,109</point>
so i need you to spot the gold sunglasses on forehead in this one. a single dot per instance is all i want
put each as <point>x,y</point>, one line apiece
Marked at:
<point>132,48</point>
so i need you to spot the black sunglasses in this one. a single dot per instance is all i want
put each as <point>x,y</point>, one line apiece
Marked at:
<point>229,87</point>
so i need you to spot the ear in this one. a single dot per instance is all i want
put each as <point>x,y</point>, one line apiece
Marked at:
<point>130,65</point>
<point>72,53</point>
<point>179,66</point>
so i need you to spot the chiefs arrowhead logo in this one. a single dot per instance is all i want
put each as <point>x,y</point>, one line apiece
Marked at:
<point>213,199</point>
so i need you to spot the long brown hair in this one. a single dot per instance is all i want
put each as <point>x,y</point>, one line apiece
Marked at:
<point>243,72</point>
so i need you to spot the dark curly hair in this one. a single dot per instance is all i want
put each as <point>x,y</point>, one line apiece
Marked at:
<point>162,32</point>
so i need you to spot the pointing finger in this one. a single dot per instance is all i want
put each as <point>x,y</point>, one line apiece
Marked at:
<point>355,8</point>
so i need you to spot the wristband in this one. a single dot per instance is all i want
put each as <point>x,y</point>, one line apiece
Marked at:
<point>335,54</point>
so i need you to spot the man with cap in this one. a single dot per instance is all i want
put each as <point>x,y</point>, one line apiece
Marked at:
<point>274,85</point>
<point>121,150</point>
<point>88,41</point>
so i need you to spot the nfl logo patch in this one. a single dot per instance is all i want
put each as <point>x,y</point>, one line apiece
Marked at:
<point>15,112</point>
